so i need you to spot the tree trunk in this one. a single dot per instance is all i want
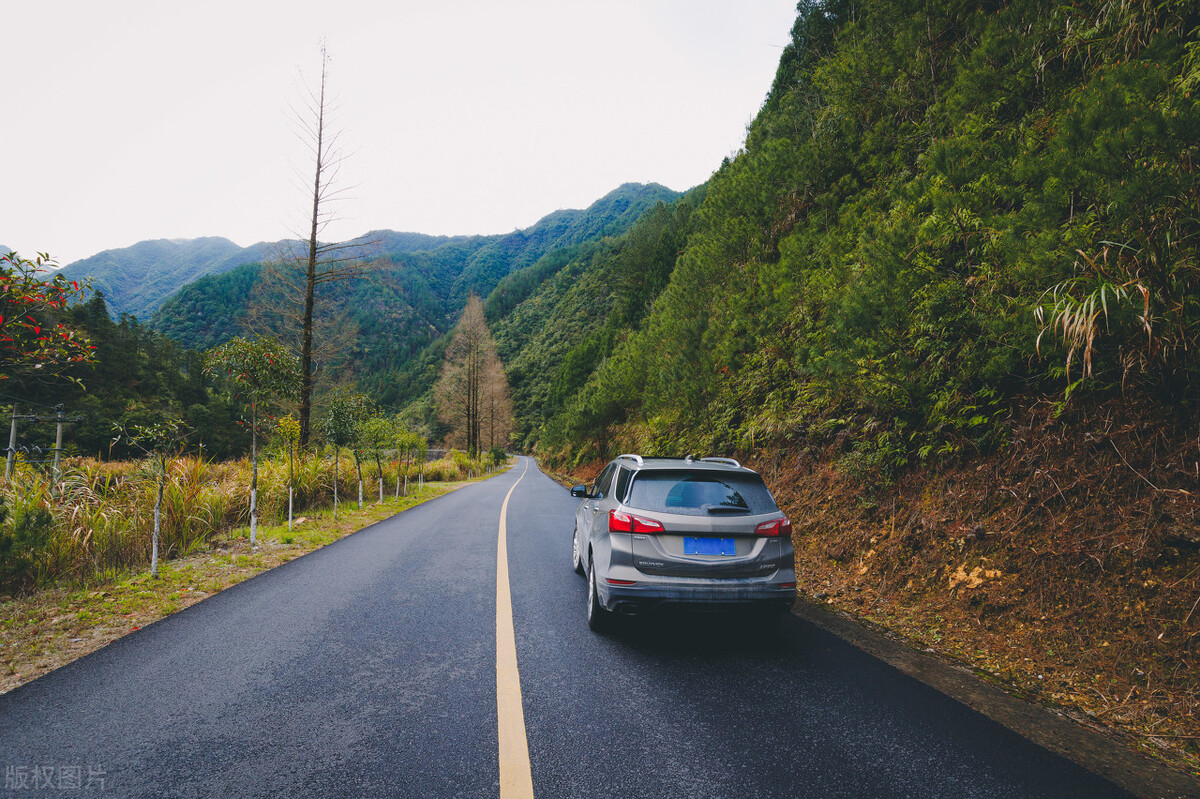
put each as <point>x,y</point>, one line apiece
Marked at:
<point>358,467</point>
<point>335,483</point>
<point>291,485</point>
<point>310,282</point>
<point>162,479</point>
<point>253,474</point>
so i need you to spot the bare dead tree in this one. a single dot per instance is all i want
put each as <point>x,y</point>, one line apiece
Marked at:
<point>311,262</point>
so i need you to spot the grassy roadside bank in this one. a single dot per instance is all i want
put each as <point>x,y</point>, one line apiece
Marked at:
<point>56,625</point>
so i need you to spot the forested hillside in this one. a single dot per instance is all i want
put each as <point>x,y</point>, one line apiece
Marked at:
<point>137,376</point>
<point>136,280</point>
<point>409,300</point>
<point>556,320</point>
<point>383,334</point>
<point>947,297</point>
<point>918,191</point>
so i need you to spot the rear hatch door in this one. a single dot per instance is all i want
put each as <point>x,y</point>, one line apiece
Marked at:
<point>698,546</point>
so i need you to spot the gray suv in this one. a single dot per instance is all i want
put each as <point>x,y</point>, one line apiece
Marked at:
<point>698,532</point>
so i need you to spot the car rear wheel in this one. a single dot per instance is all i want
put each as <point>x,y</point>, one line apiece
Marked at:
<point>576,558</point>
<point>598,619</point>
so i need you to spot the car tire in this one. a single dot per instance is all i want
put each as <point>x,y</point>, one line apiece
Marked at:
<point>576,558</point>
<point>599,620</point>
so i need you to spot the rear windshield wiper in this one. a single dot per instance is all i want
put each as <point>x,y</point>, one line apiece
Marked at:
<point>723,509</point>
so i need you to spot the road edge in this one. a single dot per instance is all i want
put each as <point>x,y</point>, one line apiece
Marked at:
<point>1044,726</point>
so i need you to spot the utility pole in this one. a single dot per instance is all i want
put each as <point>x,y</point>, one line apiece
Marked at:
<point>60,418</point>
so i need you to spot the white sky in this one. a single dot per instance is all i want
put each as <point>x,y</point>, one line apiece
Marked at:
<point>127,120</point>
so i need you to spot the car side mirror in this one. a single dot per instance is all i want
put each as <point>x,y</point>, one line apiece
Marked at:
<point>579,492</point>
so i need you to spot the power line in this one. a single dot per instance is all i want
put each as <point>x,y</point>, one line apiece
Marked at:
<point>19,401</point>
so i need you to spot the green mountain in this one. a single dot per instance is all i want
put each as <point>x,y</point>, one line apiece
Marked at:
<point>919,189</point>
<point>412,295</point>
<point>137,279</point>
<point>556,320</point>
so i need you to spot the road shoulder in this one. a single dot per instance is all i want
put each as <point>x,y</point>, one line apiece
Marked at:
<point>1051,729</point>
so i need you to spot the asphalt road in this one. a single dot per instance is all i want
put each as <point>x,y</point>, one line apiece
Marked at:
<point>368,668</point>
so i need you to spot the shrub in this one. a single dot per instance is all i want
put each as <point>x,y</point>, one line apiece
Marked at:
<point>24,539</point>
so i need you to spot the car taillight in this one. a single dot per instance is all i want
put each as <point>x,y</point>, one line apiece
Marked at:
<point>776,528</point>
<point>619,522</point>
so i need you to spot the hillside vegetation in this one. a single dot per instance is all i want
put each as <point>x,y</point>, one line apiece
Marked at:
<point>917,188</point>
<point>136,280</point>
<point>947,298</point>
<point>410,299</point>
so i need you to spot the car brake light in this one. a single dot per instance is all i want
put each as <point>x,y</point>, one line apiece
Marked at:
<point>775,528</point>
<point>619,522</point>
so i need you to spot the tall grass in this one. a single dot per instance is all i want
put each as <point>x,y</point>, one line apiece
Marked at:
<point>101,513</point>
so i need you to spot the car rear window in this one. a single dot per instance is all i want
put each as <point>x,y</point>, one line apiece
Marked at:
<point>700,493</point>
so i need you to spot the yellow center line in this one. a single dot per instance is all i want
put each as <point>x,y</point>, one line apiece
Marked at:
<point>516,778</point>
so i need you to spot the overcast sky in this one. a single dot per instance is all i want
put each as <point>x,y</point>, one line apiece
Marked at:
<point>127,121</point>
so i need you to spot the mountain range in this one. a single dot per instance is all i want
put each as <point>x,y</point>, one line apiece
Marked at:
<point>138,280</point>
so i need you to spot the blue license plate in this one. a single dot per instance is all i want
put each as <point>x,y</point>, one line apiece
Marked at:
<point>708,546</point>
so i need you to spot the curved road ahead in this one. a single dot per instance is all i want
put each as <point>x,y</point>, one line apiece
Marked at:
<point>369,668</point>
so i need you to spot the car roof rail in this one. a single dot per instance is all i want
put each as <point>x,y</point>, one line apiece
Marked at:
<point>726,461</point>
<point>630,456</point>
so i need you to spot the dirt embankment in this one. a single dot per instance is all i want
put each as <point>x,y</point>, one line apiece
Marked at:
<point>1065,566</point>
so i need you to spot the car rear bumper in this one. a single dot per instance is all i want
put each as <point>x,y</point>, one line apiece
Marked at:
<point>701,595</point>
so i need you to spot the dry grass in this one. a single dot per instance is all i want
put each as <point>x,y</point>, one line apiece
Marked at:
<point>49,628</point>
<point>102,512</point>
